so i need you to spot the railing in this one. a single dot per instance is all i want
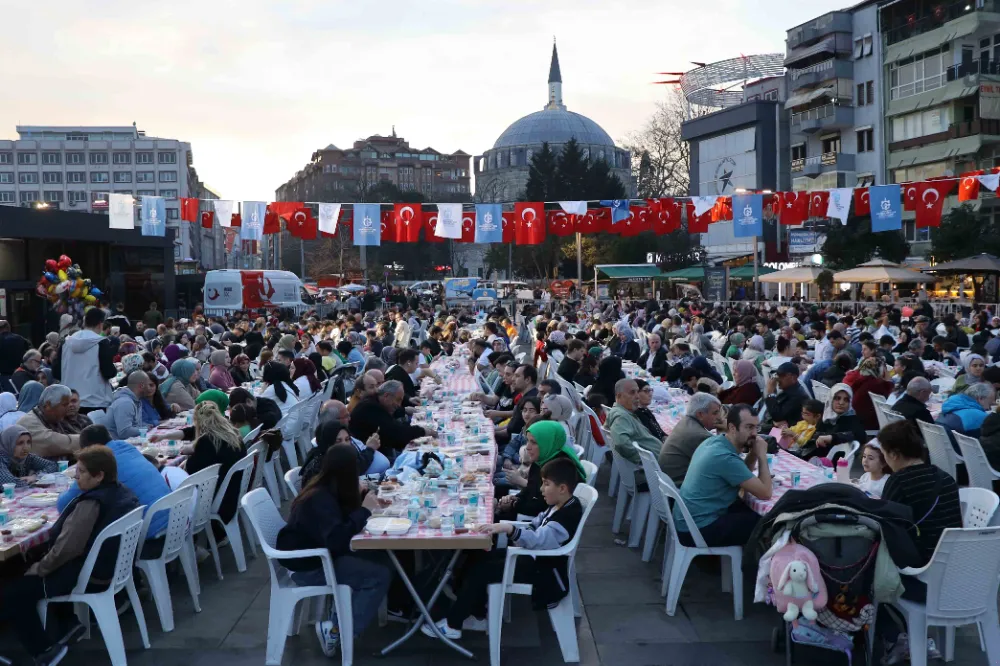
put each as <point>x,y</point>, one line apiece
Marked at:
<point>971,67</point>
<point>818,112</point>
<point>905,25</point>
<point>818,67</point>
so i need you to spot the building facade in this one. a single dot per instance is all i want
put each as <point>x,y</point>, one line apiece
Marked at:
<point>74,169</point>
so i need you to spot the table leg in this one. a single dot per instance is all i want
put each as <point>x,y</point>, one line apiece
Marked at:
<point>425,614</point>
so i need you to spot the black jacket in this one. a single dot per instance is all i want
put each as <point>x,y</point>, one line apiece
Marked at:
<point>787,405</point>
<point>568,369</point>
<point>370,417</point>
<point>12,350</point>
<point>913,409</point>
<point>659,368</point>
<point>320,522</point>
<point>397,373</point>
<point>115,500</point>
<point>846,428</point>
<point>629,351</point>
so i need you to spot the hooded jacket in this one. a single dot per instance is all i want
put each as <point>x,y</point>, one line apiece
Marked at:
<point>962,414</point>
<point>124,417</point>
<point>87,364</point>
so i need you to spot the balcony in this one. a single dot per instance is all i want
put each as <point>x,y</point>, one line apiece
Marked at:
<point>973,68</point>
<point>960,130</point>
<point>812,76</point>
<point>906,20</point>
<point>826,117</point>
<point>815,30</point>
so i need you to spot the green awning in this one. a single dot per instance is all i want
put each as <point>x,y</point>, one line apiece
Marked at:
<point>746,272</point>
<point>626,271</point>
<point>690,274</point>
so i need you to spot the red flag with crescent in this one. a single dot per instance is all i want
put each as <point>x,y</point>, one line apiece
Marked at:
<point>468,227</point>
<point>237,220</point>
<point>794,208</point>
<point>285,208</point>
<point>698,224</point>
<point>591,223</point>
<point>207,218</point>
<point>968,187</point>
<point>408,220</point>
<point>666,219</point>
<point>302,224</point>
<point>387,219</point>
<point>654,205</point>
<point>561,223</point>
<point>272,223</point>
<point>930,197</point>
<point>189,209</point>
<point>430,223</point>
<point>509,227</point>
<point>909,196</point>
<point>530,223</point>
<point>862,202</point>
<point>818,203</point>
<point>722,211</point>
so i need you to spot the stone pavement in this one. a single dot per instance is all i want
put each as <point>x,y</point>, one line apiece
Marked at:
<point>624,623</point>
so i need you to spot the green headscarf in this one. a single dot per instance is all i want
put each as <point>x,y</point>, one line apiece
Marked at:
<point>216,396</point>
<point>551,438</point>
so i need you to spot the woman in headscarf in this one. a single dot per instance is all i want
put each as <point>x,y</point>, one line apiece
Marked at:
<point>700,341</point>
<point>628,348</point>
<point>280,388</point>
<point>746,390</point>
<point>840,424</point>
<point>180,387</point>
<point>9,414</point>
<point>220,399</point>
<point>735,348</point>
<point>559,408</point>
<point>17,464</point>
<point>317,361</point>
<point>609,371</point>
<point>240,370</point>
<point>149,334</point>
<point>27,399</point>
<point>173,353</point>
<point>545,441</point>
<point>755,352</point>
<point>644,413</point>
<point>287,341</point>
<point>973,366</point>
<point>867,379</point>
<point>219,376</point>
<point>389,356</point>
<point>304,378</point>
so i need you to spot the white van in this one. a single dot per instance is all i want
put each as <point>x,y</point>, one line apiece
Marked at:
<point>227,291</point>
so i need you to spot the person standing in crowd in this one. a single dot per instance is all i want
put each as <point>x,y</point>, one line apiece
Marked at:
<point>86,363</point>
<point>13,347</point>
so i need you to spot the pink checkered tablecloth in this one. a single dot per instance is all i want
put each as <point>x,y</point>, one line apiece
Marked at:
<point>782,468</point>
<point>23,543</point>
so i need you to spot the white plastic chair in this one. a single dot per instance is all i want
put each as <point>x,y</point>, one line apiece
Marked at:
<point>177,543</point>
<point>978,506</point>
<point>578,450</point>
<point>285,594</point>
<point>292,480</point>
<point>205,481</point>
<point>233,532</point>
<point>820,391</point>
<point>680,556</point>
<point>635,502</point>
<point>659,505</point>
<point>880,405</point>
<point>615,475</point>
<point>127,528</point>
<point>891,416</point>
<point>562,616</point>
<point>591,470</point>
<point>938,443</point>
<point>850,450</point>
<point>961,579</point>
<point>290,428</point>
<point>981,475</point>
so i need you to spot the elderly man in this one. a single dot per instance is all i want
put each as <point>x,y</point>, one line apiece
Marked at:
<point>46,423</point>
<point>704,413</point>
<point>31,363</point>
<point>965,412</point>
<point>370,459</point>
<point>124,417</point>
<point>913,405</point>
<point>382,414</point>
<point>625,426</point>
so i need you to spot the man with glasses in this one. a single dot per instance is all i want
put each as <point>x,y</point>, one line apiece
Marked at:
<point>711,489</point>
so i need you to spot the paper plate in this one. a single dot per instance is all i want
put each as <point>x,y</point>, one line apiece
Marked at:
<point>384,525</point>
<point>39,500</point>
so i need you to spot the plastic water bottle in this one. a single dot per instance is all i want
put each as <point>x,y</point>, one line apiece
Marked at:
<point>843,471</point>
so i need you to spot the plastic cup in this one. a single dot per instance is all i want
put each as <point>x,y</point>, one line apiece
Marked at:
<point>770,461</point>
<point>796,478</point>
<point>143,432</point>
<point>63,465</point>
<point>4,516</point>
<point>8,490</point>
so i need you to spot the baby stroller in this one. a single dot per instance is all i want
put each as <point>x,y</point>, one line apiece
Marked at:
<point>846,544</point>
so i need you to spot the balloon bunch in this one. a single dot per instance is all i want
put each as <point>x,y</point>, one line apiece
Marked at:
<point>63,284</point>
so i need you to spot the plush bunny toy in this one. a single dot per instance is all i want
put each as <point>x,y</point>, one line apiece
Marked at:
<point>798,587</point>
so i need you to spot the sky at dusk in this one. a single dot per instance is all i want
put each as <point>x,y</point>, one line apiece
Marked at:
<point>256,87</point>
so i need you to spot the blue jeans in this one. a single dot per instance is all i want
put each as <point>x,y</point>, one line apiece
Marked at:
<point>367,574</point>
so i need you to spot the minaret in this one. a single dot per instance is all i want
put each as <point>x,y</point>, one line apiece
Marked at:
<point>555,82</point>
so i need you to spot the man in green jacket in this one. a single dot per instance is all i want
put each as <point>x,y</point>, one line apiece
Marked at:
<point>626,427</point>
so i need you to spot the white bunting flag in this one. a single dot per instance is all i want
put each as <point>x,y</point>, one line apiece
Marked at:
<point>224,212</point>
<point>121,211</point>
<point>839,205</point>
<point>449,222</point>
<point>329,213</point>
<point>703,204</point>
<point>990,181</point>
<point>574,207</point>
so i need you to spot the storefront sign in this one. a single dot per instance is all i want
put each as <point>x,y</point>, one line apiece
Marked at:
<point>989,101</point>
<point>801,241</point>
<point>716,283</point>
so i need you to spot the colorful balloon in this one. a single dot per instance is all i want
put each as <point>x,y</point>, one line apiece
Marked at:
<point>65,262</point>
<point>62,275</point>
<point>96,292</point>
<point>90,299</point>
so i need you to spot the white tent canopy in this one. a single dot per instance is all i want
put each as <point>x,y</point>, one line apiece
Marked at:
<point>793,275</point>
<point>881,271</point>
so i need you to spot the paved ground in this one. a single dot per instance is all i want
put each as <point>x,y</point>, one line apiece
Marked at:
<point>624,623</point>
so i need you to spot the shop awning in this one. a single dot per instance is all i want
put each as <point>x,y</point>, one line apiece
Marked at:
<point>626,271</point>
<point>806,97</point>
<point>794,275</point>
<point>689,274</point>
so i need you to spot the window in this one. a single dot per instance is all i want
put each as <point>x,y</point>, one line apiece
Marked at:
<point>859,97</point>
<point>866,179</point>
<point>914,235</point>
<point>99,177</point>
<point>54,196</point>
<point>144,157</point>
<point>168,176</point>
<point>799,152</point>
<point>921,123</point>
<point>74,158</point>
<point>145,177</point>
<point>771,95</point>
<point>867,45</point>
<point>123,176</point>
<point>76,196</point>
<point>28,197</point>
<point>6,177</point>
<point>173,214</point>
<point>912,76</point>
<point>121,158</point>
<point>5,158</point>
<point>146,193</point>
<point>27,178</point>
<point>168,194</point>
<point>27,158</point>
<point>921,172</point>
<point>858,48</point>
<point>870,92</point>
<point>98,158</point>
<point>51,158</point>
<point>51,177</point>
<point>167,158</point>
<point>6,197</point>
<point>866,140</point>
<point>76,137</point>
<point>831,144</point>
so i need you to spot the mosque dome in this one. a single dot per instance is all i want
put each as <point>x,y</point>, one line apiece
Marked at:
<point>554,126</point>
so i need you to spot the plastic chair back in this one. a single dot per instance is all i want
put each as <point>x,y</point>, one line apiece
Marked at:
<point>880,406</point>
<point>243,468</point>
<point>589,467</point>
<point>891,416</point>
<point>978,506</point>
<point>205,481</point>
<point>939,445</point>
<point>850,450</point>
<point>626,469</point>
<point>178,504</point>
<point>981,475</point>
<point>962,575</point>
<point>128,528</point>
<point>292,480</point>
<point>820,391</point>
<point>259,451</point>
<point>651,468</point>
<point>671,492</point>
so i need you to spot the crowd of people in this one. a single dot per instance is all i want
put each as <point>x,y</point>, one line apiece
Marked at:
<point>86,389</point>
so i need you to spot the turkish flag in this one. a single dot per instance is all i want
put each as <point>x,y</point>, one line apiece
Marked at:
<point>589,223</point>
<point>640,220</point>
<point>655,205</point>
<point>862,202</point>
<point>667,216</point>
<point>285,208</point>
<point>697,224</point>
<point>818,203</point>
<point>189,209</point>
<point>722,211</point>
<point>930,197</point>
<point>530,220</point>
<point>509,227</point>
<point>430,222</point>
<point>968,188</point>
<point>561,223</point>
<point>207,218</point>
<point>302,224</point>
<point>387,218</point>
<point>794,208</point>
<point>272,223</point>
<point>237,220</point>
<point>408,220</point>
<point>909,196</point>
<point>771,203</point>
<point>468,227</point>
